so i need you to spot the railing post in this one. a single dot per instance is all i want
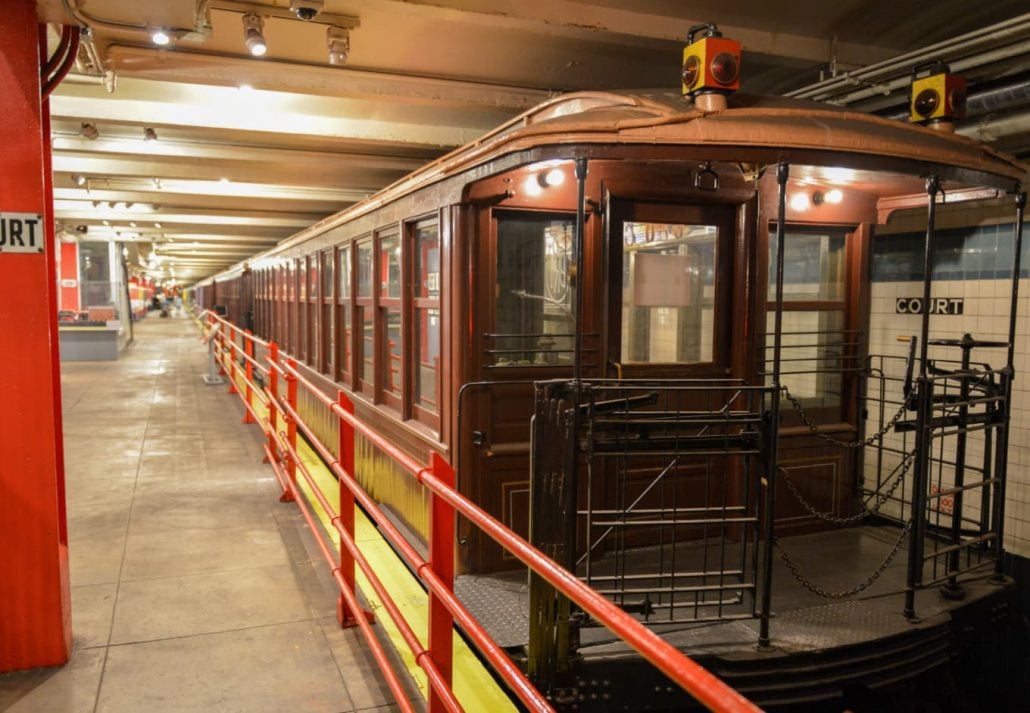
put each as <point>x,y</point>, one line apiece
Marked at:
<point>232,360</point>
<point>222,330</point>
<point>344,615</point>
<point>248,350</point>
<point>291,423</point>
<point>441,560</point>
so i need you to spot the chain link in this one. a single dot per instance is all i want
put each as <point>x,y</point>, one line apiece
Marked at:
<point>905,464</point>
<point>830,439</point>
<point>861,586</point>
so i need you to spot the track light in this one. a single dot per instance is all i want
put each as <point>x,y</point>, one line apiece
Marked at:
<point>78,179</point>
<point>252,34</point>
<point>88,130</point>
<point>149,134</point>
<point>338,41</point>
<point>160,36</point>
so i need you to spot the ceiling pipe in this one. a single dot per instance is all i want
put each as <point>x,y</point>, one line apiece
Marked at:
<point>988,37</point>
<point>992,128</point>
<point>960,66</point>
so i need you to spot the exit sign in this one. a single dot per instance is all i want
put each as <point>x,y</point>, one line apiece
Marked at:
<point>21,233</point>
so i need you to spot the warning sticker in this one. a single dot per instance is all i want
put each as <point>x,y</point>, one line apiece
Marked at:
<point>21,233</point>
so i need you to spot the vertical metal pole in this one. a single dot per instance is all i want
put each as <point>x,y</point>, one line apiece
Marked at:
<point>345,454</point>
<point>577,346</point>
<point>953,590</point>
<point>1009,374</point>
<point>291,422</point>
<point>773,440</point>
<point>273,392</point>
<point>441,559</point>
<point>924,414</point>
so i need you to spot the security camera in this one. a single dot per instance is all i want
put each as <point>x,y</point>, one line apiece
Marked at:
<point>306,9</point>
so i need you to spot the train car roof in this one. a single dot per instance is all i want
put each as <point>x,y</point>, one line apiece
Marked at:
<point>775,125</point>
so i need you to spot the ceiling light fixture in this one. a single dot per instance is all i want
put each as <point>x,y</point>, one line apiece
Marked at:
<point>78,179</point>
<point>89,130</point>
<point>149,134</point>
<point>159,36</point>
<point>252,34</point>
<point>338,41</point>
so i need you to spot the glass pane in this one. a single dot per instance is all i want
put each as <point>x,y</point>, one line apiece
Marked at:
<point>327,273</point>
<point>813,266</point>
<point>390,262</point>
<point>814,352</point>
<point>426,333</point>
<point>366,369</point>
<point>330,330</point>
<point>534,320</point>
<point>313,277</point>
<point>345,336</point>
<point>365,269</point>
<point>345,273</point>
<point>302,279</point>
<point>668,292</point>
<point>427,261</point>
<point>392,348</point>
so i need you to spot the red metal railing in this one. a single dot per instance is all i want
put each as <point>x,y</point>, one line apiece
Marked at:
<point>437,574</point>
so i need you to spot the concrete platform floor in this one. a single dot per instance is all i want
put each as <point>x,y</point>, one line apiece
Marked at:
<point>193,588</point>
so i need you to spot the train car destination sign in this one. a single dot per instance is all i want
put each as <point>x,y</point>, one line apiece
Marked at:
<point>938,305</point>
<point>21,233</point>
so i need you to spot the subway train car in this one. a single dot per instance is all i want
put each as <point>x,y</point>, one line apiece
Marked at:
<point>638,325</point>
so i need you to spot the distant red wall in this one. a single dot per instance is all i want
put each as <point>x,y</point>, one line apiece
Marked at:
<point>69,296</point>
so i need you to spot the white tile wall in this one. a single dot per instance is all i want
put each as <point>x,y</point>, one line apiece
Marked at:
<point>986,317</point>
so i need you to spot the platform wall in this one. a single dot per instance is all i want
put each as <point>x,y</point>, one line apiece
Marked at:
<point>972,263</point>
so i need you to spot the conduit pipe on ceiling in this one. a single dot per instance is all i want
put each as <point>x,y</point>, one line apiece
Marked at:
<point>73,9</point>
<point>1009,30</point>
<point>957,66</point>
<point>993,128</point>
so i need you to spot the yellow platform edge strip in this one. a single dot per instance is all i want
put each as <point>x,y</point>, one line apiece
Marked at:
<point>473,684</point>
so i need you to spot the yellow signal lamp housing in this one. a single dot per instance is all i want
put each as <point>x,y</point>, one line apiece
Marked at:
<point>937,96</point>
<point>711,63</point>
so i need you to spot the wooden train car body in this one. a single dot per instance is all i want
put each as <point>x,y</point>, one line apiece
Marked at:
<point>439,302</point>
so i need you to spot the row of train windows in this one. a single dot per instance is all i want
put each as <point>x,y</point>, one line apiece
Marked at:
<point>345,313</point>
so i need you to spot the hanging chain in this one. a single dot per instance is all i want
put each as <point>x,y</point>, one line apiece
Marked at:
<point>906,463</point>
<point>830,439</point>
<point>861,586</point>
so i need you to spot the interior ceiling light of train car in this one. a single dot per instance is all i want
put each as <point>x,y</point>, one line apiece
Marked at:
<point>160,37</point>
<point>253,35</point>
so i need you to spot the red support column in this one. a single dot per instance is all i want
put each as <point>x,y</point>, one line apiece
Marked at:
<point>346,455</point>
<point>35,610</point>
<point>441,560</point>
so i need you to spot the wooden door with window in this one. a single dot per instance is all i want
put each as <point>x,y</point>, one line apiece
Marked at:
<point>821,363</point>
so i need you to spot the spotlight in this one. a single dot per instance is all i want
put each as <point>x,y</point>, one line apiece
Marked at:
<point>252,34</point>
<point>338,41</point>
<point>554,177</point>
<point>149,134</point>
<point>78,179</point>
<point>834,195</point>
<point>799,202</point>
<point>160,37</point>
<point>88,130</point>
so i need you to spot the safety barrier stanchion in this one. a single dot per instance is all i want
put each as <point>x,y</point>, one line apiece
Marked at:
<point>212,378</point>
<point>344,614</point>
<point>248,350</point>
<point>441,561</point>
<point>232,360</point>
<point>291,423</point>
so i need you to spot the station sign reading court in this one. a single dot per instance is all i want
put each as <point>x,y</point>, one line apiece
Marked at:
<point>21,233</point>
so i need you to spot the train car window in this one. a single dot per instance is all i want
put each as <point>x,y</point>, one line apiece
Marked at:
<point>426,319</point>
<point>327,355</point>
<point>314,346</point>
<point>302,309</point>
<point>668,292</point>
<point>534,322</point>
<point>814,293</point>
<point>344,317</point>
<point>365,320</point>
<point>390,325</point>
<point>390,264</point>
